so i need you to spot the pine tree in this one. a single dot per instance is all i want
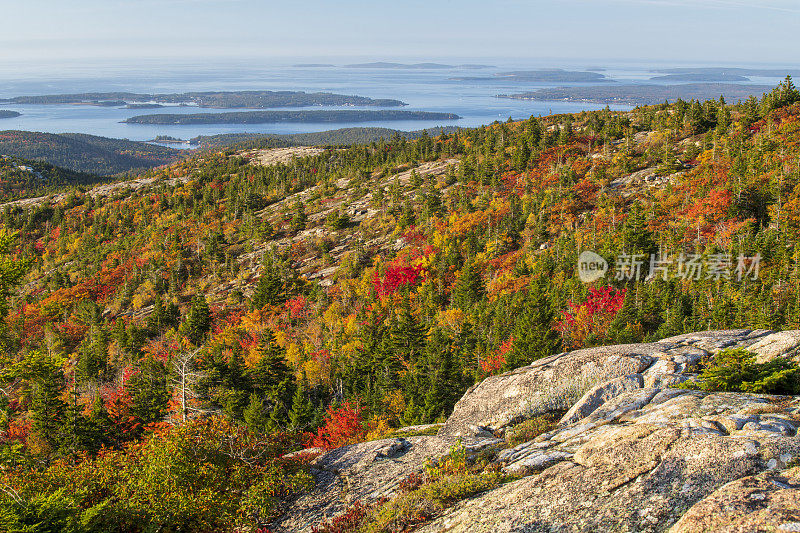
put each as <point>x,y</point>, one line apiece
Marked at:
<point>302,412</point>
<point>468,288</point>
<point>534,336</point>
<point>270,288</point>
<point>255,414</point>
<point>198,320</point>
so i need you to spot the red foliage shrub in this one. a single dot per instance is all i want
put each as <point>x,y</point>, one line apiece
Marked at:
<point>343,425</point>
<point>592,317</point>
<point>18,430</point>
<point>396,277</point>
<point>347,522</point>
<point>494,362</point>
<point>298,307</point>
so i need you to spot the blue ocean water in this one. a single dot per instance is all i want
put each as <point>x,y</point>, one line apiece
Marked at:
<point>422,89</point>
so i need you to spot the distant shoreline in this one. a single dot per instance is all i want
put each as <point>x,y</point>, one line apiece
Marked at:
<point>635,95</point>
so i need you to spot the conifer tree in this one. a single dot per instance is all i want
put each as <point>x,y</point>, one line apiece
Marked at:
<point>255,414</point>
<point>198,320</point>
<point>270,288</point>
<point>534,336</point>
<point>468,288</point>
<point>302,412</point>
<point>148,391</point>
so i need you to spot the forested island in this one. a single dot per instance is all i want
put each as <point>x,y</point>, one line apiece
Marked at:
<point>8,114</point>
<point>642,94</point>
<point>264,117</point>
<point>217,99</point>
<point>418,66</point>
<point>542,76</point>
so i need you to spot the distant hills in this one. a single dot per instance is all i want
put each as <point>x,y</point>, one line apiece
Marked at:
<point>85,153</point>
<point>266,117</point>
<point>218,99</point>
<point>643,94</point>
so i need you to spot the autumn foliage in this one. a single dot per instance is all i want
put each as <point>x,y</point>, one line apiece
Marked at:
<point>343,425</point>
<point>582,322</point>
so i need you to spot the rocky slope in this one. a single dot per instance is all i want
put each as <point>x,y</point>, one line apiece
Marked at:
<point>630,454</point>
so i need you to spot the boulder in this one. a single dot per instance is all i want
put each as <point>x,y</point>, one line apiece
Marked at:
<point>361,472</point>
<point>781,344</point>
<point>599,395</point>
<point>769,501</point>
<point>630,454</point>
<point>640,465</point>
<point>556,383</point>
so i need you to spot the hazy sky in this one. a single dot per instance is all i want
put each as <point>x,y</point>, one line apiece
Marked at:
<point>717,31</point>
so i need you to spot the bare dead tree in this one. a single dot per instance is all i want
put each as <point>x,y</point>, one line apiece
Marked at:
<point>185,380</point>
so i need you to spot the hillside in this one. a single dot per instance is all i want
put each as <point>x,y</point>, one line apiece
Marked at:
<point>85,153</point>
<point>263,325</point>
<point>21,178</point>
<point>337,137</point>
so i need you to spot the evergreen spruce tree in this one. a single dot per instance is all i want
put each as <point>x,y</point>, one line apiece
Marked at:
<point>148,391</point>
<point>468,288</point>
<point>198,320</point>
<point>622,329</point>
<point>47,408</point>
<point>302,413</point>
<point>255,414</point>
<point>270,289</point>
<point>272,379</point>
<point>534,336</point>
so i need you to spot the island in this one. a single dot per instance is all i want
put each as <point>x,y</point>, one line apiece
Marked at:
<point>541,76</point>
<point>421,66</point>
<point>8,114</point>
<point>699,77</point>
<point>216,99</point>
<point>265,117</point>
<point>144,106</point>
<point>728,72</point>
<point>634,95</point>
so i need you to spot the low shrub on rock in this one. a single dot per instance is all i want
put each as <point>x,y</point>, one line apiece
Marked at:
<point>736,370</point>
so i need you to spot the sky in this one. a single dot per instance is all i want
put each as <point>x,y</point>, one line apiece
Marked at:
<point>744,32</point>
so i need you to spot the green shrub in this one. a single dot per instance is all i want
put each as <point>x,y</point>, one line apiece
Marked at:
<point>736,370</point>
<point>530,429</point>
